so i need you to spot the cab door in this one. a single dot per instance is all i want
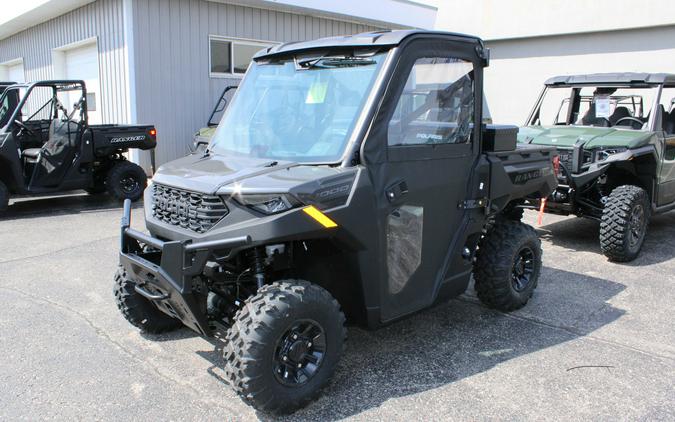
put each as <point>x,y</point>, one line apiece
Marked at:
<point>427,126</point>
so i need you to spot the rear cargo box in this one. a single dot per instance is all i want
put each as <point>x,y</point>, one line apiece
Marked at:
<point>498,138</point>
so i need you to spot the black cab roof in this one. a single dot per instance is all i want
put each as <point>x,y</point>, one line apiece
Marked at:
<point>627,78</point>
<point>365,40</point>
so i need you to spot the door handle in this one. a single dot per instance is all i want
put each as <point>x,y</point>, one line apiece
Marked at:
<point>396,191</point>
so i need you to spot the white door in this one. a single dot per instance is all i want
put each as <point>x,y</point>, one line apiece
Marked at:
<point>82,63</point>
<point>15,73</point>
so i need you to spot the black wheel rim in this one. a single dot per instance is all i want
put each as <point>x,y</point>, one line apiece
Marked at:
<point>299,353</point>
<point>636,225</point>
<point>523,269</point>
<point>129,184</point>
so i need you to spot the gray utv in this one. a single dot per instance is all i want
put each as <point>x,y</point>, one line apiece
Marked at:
<point>347,178</point>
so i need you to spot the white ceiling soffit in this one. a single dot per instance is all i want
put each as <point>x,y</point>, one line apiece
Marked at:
<point>28,13</point>
<point>385,13</point>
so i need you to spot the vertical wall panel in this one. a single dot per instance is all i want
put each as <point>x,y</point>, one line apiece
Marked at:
<point>173,87</point>
<point>103,20</point>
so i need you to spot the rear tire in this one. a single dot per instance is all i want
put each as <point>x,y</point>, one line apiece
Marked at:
<point>139,311</point>
<point>262,335</point>
<point>624,223</point>
<point>507,266</point>
<point>126,180</point>
<point>4,197</point>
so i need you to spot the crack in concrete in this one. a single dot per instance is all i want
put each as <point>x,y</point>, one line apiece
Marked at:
<point>9,261</point>
<point>104,335</point>
<point>570,330</point>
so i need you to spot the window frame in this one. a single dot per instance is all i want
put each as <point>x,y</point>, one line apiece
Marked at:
<point>470,140</point>
<point>233,42</point>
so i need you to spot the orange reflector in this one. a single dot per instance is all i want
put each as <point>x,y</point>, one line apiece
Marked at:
<point>320,217</point>
<point>542,207</point>
<point>153,132</point>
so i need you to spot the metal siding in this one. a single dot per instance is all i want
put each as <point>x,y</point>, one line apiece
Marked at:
<point>101,19</point>
<point>173,87</point>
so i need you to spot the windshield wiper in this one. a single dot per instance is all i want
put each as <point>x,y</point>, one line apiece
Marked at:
<point>329,62</point>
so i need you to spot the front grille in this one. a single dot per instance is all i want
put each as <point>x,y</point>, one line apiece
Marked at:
<point>189,210</point>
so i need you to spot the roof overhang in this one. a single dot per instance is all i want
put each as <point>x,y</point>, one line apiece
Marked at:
<point>381,13</point>
<point>31,13</point>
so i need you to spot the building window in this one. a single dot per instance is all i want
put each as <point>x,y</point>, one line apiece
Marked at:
<point>231,56</point>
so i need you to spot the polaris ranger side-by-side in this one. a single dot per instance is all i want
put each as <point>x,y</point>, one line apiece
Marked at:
<point>617,151</point>
<point>47,147</point>
<point>349,175</point>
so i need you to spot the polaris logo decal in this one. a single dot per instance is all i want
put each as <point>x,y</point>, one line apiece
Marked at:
<point>123,139</point>
<point>427,136</point>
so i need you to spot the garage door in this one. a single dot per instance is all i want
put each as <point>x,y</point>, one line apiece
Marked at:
<point>15,73</point>
<point>82,63</point>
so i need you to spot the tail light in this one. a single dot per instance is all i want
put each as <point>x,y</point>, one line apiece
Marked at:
<point>153,132</point>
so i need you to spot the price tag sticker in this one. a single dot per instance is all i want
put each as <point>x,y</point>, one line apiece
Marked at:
<point>602,106</point>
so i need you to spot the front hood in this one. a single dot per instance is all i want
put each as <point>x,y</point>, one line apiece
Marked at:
<point>591,137</point>
<point>209,174</point>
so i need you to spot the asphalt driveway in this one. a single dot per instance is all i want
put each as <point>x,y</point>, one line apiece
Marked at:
<point>596,341</point>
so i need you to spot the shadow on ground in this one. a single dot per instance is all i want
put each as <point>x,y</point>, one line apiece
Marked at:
<point>75,202</point>
<point>582,234</point>
<point>450,342</point>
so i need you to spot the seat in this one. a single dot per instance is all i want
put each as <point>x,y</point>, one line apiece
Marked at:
<point>31,152</point>
<point>590,119</point>
<point>619,113</point>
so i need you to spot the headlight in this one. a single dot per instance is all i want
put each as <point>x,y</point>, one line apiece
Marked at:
<point>603,154</point>
<point>268,203</point>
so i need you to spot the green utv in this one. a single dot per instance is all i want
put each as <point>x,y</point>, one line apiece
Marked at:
<point>346,178</point>
<point>615,135</point>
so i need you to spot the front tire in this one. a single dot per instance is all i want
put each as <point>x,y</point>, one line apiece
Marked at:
<point>4,197</point>
<point>624,223</point>
<point>137,310</point>
<point>284,345</point>
<point>126,180</point>
<point>507,266</point>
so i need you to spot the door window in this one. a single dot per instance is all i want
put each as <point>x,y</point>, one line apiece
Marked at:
<point>436,105</point>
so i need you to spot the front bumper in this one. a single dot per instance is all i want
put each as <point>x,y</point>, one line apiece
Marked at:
<point>165,271</point>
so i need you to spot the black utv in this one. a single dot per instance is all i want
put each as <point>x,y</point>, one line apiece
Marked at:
<point>47,147</point>
<point>349,176</point>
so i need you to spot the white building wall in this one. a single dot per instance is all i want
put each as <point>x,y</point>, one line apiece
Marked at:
<point>532,40</point>
<point>101,20</point>
<point>518,68</point>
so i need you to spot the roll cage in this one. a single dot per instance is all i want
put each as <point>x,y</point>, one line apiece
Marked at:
<point>54,103</point>
<point>576,99</point>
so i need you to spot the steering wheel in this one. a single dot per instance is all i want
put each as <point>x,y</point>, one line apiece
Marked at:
<point>633,120</point>
<point>23,127</point>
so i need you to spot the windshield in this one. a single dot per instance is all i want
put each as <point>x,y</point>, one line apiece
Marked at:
<point>624,107</point>
<point>301,110</point>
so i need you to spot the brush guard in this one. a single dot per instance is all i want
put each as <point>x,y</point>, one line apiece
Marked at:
<point>165,271</point>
